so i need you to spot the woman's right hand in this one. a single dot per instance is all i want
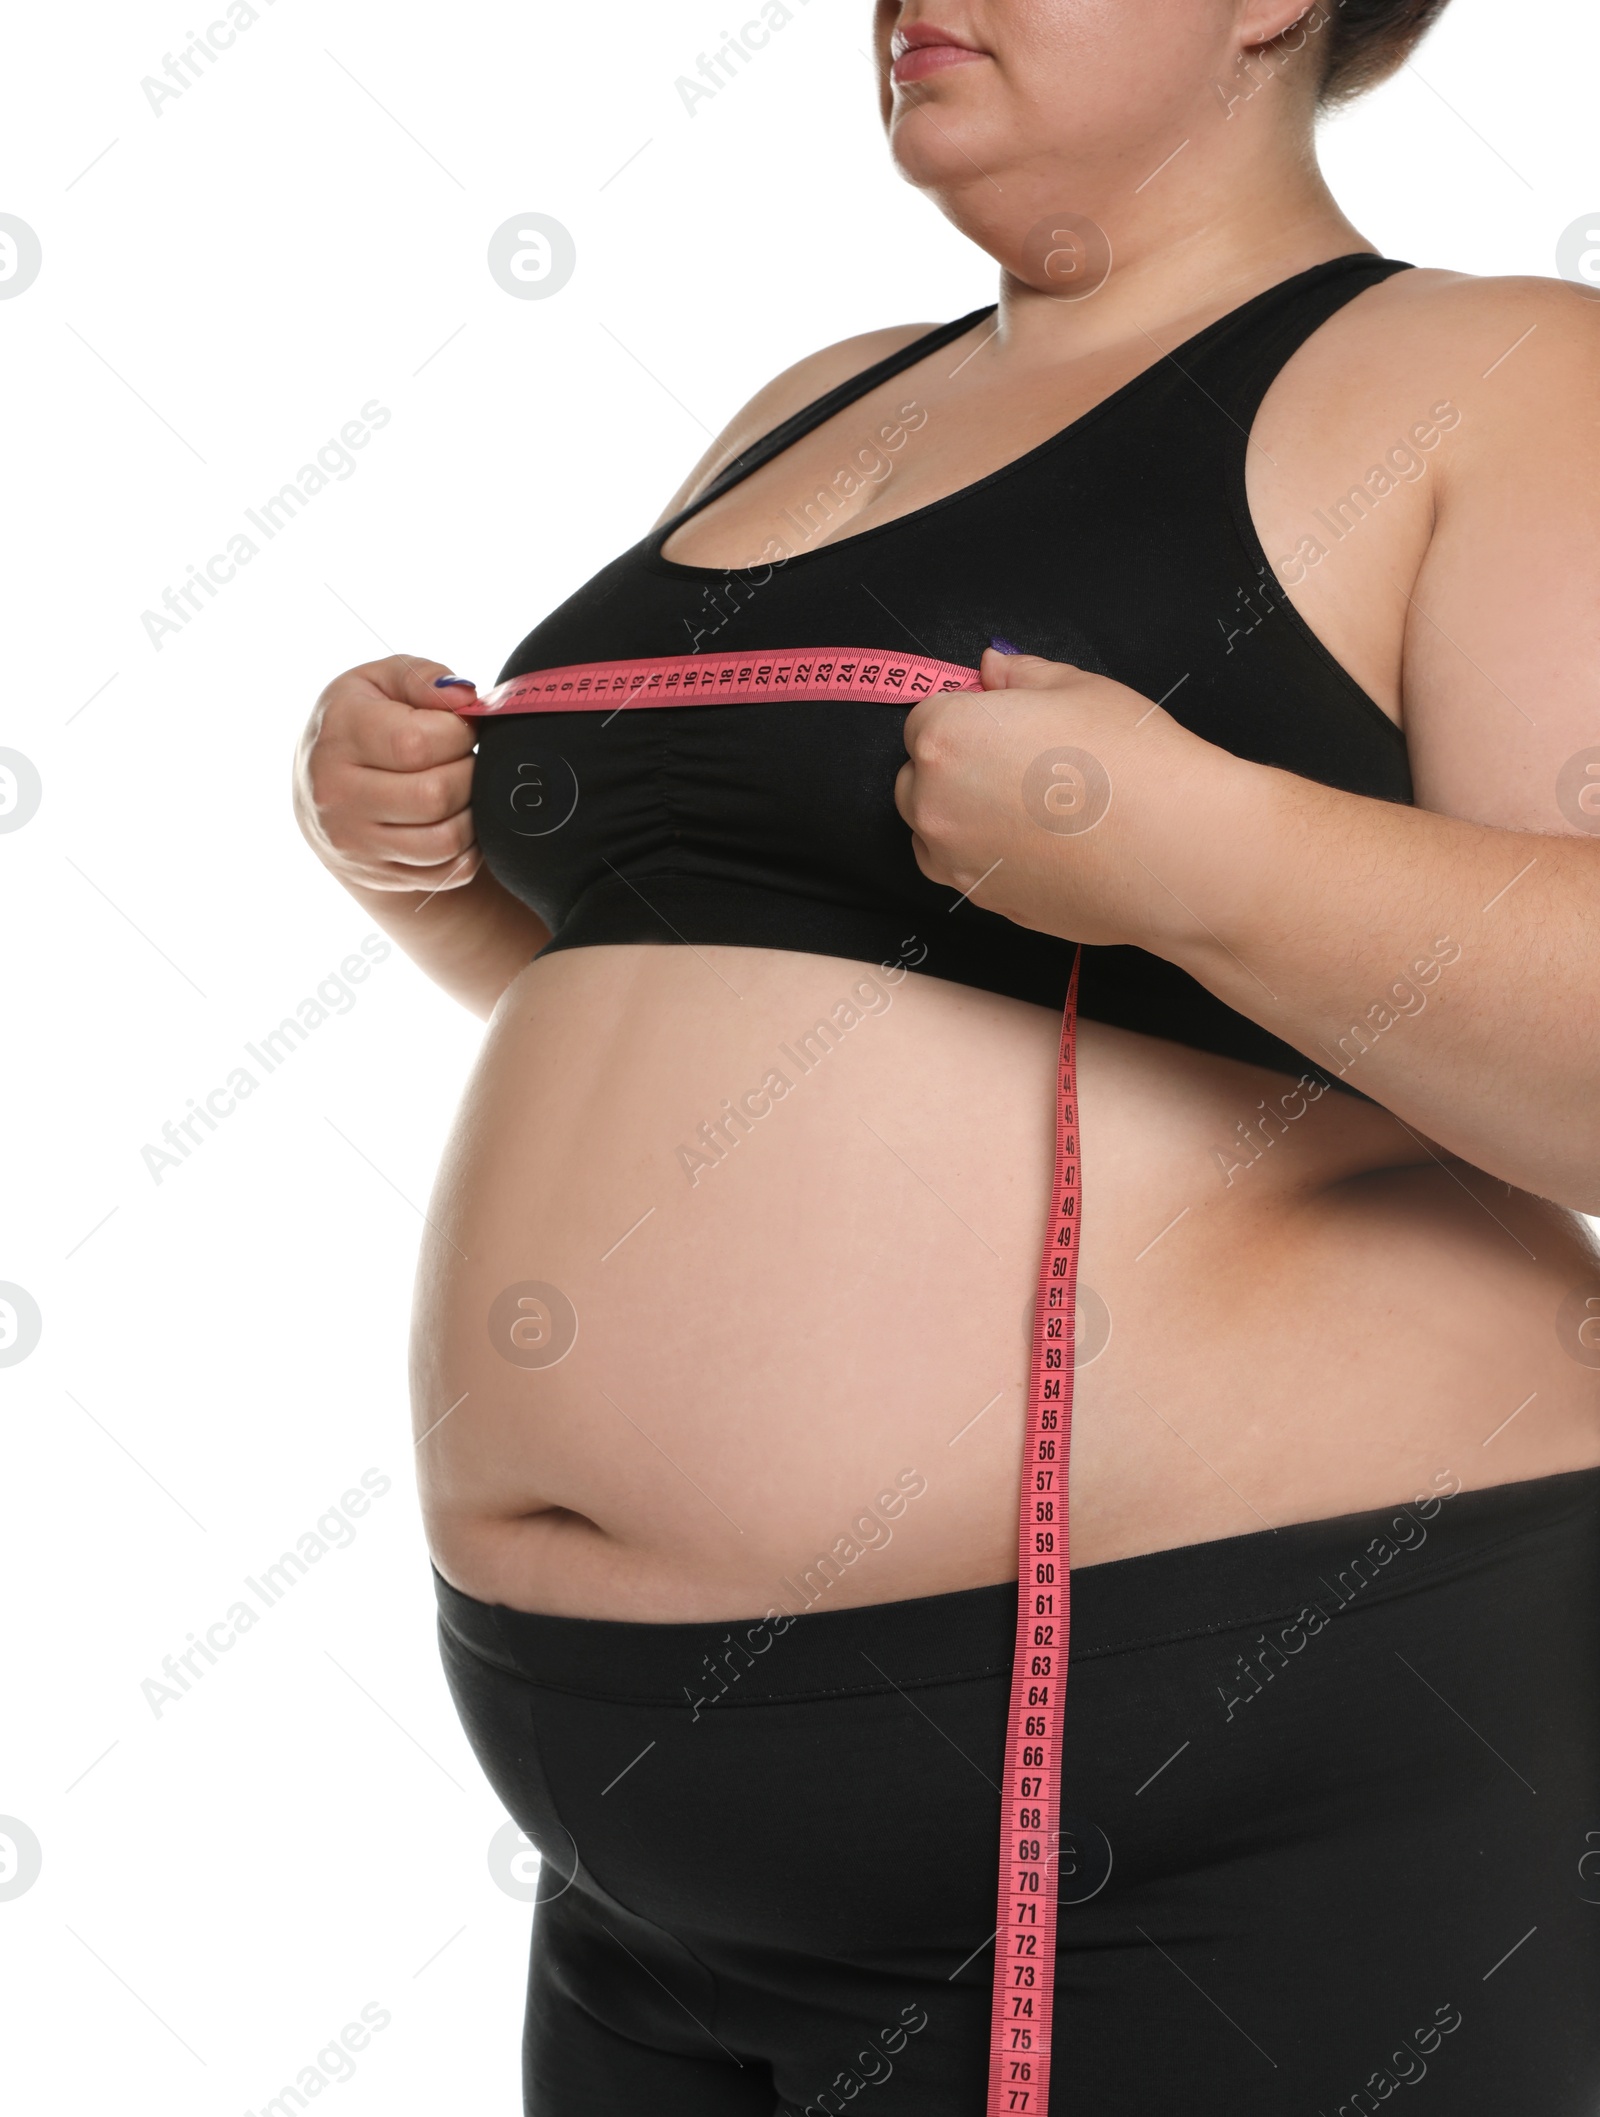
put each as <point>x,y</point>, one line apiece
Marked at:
<point>383,779</point>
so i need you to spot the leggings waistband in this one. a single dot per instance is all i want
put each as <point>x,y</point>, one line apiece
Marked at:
<point>1339,1565</point>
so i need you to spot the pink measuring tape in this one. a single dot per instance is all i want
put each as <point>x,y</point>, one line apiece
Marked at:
<point>1030,1813</point>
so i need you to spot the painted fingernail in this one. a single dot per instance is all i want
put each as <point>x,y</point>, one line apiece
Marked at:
<point>1005,646</point>
<point>465,682</point>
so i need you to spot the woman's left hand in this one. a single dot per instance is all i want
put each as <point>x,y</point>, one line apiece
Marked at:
<point>1043,797</point>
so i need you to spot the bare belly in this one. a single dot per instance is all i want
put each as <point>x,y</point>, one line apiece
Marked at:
<point>672,1373</point>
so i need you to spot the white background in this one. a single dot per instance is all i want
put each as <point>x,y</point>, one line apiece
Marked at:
<point>225,284</point>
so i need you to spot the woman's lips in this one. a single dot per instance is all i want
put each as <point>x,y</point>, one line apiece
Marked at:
<point>925,59</point>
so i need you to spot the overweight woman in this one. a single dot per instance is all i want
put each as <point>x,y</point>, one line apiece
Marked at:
<point>724,1310</point>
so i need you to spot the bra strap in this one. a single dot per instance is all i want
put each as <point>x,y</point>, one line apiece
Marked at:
<point>1234,361</point>
<point>824,407</point>
<point>1240,358</point>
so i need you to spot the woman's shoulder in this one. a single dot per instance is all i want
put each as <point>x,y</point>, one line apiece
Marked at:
<point>818,372</point>
<point>1448,296</point>
<point>790,391</point>
<point>1514,355</point>
<point>1432,314</point>
<point>1519,353</point>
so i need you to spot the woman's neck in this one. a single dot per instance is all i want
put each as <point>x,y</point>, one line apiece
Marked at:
<point>1239,204</point>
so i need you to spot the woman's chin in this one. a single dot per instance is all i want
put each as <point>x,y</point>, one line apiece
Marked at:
<point>938,155</point>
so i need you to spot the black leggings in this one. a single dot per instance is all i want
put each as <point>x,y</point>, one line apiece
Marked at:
<point>1333,1799</point>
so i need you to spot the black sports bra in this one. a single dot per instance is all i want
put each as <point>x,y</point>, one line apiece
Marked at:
<point>1123,544</point>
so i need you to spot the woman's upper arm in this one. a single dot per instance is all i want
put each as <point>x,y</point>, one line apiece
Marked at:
<point>786,394</point>
<point>1502,648</point>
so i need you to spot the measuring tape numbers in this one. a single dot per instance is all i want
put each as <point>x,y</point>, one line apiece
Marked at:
<point>1022,2014</point>
<point>852,674</point>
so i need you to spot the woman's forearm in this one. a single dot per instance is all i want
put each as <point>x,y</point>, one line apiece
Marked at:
<point>1447,969</point>
<point>472,941</point>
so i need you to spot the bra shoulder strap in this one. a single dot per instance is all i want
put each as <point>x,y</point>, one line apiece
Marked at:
<point>813,414</point>
<point>1236,362</point>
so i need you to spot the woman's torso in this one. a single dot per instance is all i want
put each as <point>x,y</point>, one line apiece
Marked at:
<point>807,1338</point>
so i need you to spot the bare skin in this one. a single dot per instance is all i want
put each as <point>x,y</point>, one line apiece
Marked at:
<point>1328,1310</point>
